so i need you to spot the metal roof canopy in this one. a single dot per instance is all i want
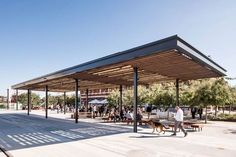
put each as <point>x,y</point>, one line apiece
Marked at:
<point>167,59</point>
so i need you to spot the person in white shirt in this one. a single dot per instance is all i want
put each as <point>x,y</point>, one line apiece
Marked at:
<point>179,117</point>
<point>129,116</point>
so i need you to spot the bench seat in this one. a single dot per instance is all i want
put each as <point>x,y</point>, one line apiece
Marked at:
<point>197,126</point>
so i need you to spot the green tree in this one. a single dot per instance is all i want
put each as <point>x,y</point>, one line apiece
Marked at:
<point>59,99</point>
<point>71,100</point>
<point>113,98</point>
<point>220,93</point>
<point>186,98</point>
<point>203,96</point>
<point>52,100</point>
<point>23,99</point>
<point>232,98</point>
<point>127,97</point>
<point>162,95</point>
<point>199,93</point>
<point>143,95</point>
<point>35,99</point>
<point>187,92</point>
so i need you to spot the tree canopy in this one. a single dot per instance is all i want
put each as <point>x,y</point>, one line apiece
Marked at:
<point>35,99</point>
<point>199,93</point>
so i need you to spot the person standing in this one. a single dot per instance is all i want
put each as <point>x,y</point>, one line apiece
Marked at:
<point>193,112</point>
<point>58,108</point>
<point>179,118</point>
<point>200,113</point>
<point>122,115</point>
<point>95,111</point>
<point>149,110</point>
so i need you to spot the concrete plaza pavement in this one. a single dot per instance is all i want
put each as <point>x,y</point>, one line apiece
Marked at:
<point>57,136</point>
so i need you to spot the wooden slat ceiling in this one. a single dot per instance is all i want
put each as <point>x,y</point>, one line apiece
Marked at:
<point>165,66</point>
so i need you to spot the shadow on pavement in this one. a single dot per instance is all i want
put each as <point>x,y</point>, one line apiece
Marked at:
<point>232,131</point>
<point>18,131</point>
<point>153,135</point>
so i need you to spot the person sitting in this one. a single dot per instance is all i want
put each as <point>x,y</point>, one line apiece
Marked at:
<point>115,115</point>
<point>129,116</point>
<point>139,117</point>
<point>122,115</point>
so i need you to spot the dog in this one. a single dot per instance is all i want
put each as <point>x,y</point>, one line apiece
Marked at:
<point>156,124</point>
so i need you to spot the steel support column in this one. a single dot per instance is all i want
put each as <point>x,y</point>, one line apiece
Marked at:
<point>64,102</point>
<point>135,97</point>
<point>177,92</point>
<point>121,98</point>
<point>16,99</point>
<point>86,106</point>
<point>76,100</point>
<point>7,99</point>
<point>46,102</point>
<point>28,101</point>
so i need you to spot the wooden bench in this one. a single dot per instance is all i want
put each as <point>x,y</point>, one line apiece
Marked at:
<point>197,126</point>
<point>130,121</point>
<point>143,121</point>
<point>172,126</point>
<point>187,124</point>
<point>85,114</point>
<point>82,115</point>
<point>106,119</point>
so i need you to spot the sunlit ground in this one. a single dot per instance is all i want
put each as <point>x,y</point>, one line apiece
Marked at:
<point>36,136</point>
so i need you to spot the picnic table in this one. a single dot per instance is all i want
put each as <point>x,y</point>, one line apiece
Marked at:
<point>188,125</point>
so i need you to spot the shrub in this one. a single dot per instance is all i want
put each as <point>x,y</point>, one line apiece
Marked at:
<point>2,106</point>
<point>225,117</point>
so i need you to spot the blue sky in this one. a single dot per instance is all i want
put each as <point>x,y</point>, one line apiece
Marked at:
<point>39,37</point>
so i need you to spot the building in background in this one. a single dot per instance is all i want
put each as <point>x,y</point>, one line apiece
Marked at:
<point>99,94</point>
<point>3,99</point>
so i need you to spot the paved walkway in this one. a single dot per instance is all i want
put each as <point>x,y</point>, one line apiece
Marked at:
<point>35,136</point>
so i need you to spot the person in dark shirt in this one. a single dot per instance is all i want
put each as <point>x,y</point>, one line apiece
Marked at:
<point>149,110</point>
<point>200,113</point>
<point>193,112</point>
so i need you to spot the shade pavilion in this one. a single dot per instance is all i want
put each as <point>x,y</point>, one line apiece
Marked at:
<point>169,59</point>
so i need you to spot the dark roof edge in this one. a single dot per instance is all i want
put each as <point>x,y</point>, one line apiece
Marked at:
<point>173,40</point>
<point>200,53</point>
<point>100,59</point>
<point>113,55</point>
